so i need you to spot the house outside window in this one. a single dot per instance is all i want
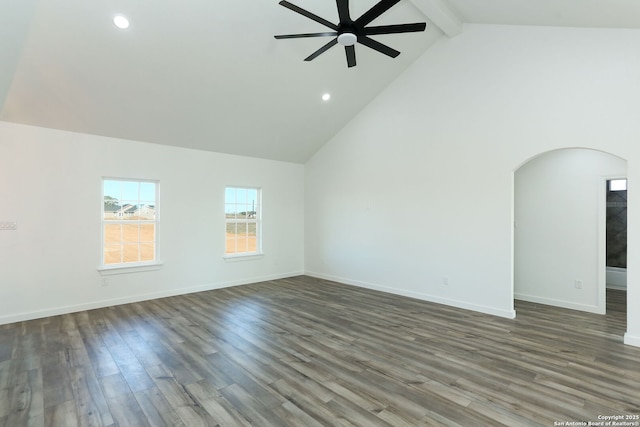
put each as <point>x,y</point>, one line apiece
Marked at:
<point>129,222</point>
<point>242,221</point>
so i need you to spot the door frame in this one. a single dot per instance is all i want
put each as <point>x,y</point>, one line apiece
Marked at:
<point>602,239</point>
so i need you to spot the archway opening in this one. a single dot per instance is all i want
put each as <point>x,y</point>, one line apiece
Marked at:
<point>560,201</point>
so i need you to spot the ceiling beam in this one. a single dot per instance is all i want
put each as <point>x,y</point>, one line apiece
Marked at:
<point>440,13</point>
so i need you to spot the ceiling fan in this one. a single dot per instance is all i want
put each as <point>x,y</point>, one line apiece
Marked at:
<point>347,32</point>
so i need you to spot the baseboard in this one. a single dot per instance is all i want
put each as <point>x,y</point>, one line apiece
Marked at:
<point>38,314</point>
<point>509,314</point>
<point>632,339</point>
<point>559,303</point>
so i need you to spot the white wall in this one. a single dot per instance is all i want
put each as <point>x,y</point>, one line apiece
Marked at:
<point>419,186</point>
<point>50,183</point>
<point>560,200</point>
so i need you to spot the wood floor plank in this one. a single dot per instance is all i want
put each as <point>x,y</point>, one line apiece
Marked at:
<point>241,375</point>
<point>88,413</point>
<point>145,355</point>
<point>61,415</point>
<point>221,410</point>
<point>251,409</point>
<point>6,344</point>
<point>309,352</point>
<point>132,370</point>
<point>55,377</point>
<point>122,403</point>
<point>308,401</point>
<point>157,409</point>
<point>26,404</point>
<point>291,415</point>
<point>101,358</point>
<point>170,387</point>
<point>91,404</point>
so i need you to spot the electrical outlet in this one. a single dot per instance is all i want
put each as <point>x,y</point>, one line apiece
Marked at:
<point>8,225</point>
<point>104,281</point>
<point>445,281</point>
<point>578,284</point>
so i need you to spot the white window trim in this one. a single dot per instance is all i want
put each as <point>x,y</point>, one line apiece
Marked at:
<point>244,256</point>
<point>132,267</point>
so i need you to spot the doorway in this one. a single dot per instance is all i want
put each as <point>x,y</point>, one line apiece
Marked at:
<point>559,234</point>
<point>616,245</point>
<point>616,235</point>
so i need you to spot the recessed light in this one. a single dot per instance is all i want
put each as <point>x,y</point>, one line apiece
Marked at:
<point>326,97</point>
<point>121,22</point>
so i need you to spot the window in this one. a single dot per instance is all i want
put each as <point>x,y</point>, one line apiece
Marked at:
<point>618,185</point>
<point>242,220</point>
<point>129,222</point>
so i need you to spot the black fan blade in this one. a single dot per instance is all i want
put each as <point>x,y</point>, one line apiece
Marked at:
<point>322,50</point>
<point>308,15</point>
<point>375,45</point>
<point>299,36</point>
<point>394,29</point>
<point>375,11</point>
<point>343,11</point>
<point>351,56</point>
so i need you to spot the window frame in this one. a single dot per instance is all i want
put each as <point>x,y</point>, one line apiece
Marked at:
<point>238,256</point>
<point>124,267</point>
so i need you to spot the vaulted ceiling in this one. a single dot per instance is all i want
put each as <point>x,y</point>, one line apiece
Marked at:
<point>208,74</point>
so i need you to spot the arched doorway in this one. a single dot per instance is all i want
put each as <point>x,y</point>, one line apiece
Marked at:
<point>559,235</point>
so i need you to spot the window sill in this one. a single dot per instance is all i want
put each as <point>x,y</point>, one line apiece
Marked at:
<point>243,257</point>
<point>125,269</point>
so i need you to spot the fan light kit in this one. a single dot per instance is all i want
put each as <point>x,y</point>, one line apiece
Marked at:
<point>349,32</point>
<point>121,22</point>
<point>347,39</point>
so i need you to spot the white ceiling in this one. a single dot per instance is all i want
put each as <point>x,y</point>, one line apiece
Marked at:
<point>563,13</point>
<point>208,74</point>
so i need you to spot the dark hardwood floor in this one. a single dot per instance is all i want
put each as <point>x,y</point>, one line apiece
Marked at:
<point>308,352</point>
